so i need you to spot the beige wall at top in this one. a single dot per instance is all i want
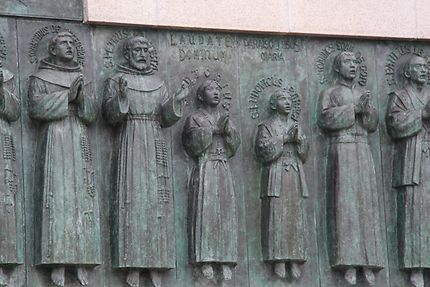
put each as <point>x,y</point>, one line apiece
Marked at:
<point>364,18</point>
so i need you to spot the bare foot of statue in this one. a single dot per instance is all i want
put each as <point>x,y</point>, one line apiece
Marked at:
<point>58,276</point>
<point>227,273</point>
<point>208,271</point>
<point>370,276</point>
<point>155,278</point>
<point>82,274</point>
<point>3,277</point>
<point>417,278</point>
<point>133,278</point>
<point>351,276</point>
<point>279,269</point>
<point>296,271</point>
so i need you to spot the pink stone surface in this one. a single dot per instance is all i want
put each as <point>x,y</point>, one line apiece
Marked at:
<point>358,18</point>
<point>423,19</point>
<point>371,18</point>
<point>257,15</point>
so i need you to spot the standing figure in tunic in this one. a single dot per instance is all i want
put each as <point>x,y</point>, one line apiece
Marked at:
<point>347,116</point>
<point>282,147</point>
<point>11,231</point>
<point>138,103</point>
<point>67,220</point>
<point>408,123</point>
<point>210,139</point>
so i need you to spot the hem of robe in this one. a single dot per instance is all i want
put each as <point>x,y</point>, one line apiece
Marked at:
<point>283,258</point>
<point>136,266</point>
<point>275,260</point>
<point>11,263</point>
<point>232,262</point>
<point>89,264</point>
<point>423,266</point>
<point>343,266</point>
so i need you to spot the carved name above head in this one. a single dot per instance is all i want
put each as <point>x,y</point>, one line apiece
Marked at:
<point>115,46</point>
<point>396,61</point>
<point>292,95</point>
<point>38,47</point>
<point>264,88</point>
<point>198,76</point>
<point>273,49</point>
<point>325,60</point>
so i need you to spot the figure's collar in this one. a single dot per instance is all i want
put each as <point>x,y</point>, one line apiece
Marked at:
<point>132,71</point>
<point>419,95</point>
<point>57,75</point>
<point>345,83</point>
<point>48,65</point>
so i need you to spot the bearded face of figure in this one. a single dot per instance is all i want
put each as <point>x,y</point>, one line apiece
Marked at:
<point>139,55</point>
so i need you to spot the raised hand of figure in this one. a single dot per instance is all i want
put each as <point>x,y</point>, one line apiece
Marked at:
<point>123,88</point>
<point>367,100</point>
<point>291,135</point>
<point>76,88</point>
<point>363,103</point>
<point>184,91</point>
<point>300,137</point>
<point>223,125</point>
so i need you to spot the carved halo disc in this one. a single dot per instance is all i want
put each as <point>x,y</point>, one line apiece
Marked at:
<point>395,61</point>
<point>325,60</point>
<point>114,46</point>
<point>38,47</point>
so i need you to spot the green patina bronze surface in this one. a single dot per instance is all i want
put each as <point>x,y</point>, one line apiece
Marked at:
<point>144,157</point>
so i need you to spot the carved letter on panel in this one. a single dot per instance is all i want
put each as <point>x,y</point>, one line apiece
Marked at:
<point>210,139</point>
<point>138,102</point>
<point>347,115</point>
<point>282,147</point>
<point>11,231</point>
<point>67,219</point>
<point>408,123</point>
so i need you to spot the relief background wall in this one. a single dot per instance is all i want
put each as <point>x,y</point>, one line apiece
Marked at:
<point>242,60</point>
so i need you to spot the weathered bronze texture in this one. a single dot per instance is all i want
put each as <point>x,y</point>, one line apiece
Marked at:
<point>408,117</point>
<point>282,147</point>
<point>143,209</point>
<point>210,138</point>
<point>347,115</point>
<point>124,167</point>
<point>67,217</point>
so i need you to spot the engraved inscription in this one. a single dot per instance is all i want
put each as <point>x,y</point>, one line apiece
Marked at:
<point>42,33</point>
<point>202,47</point>
<point>112,54</point>
<point>272,50</point>
<point>199,75</point>
<point>325,58</point>
<point>254,96</point>
<point>393,72</point>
